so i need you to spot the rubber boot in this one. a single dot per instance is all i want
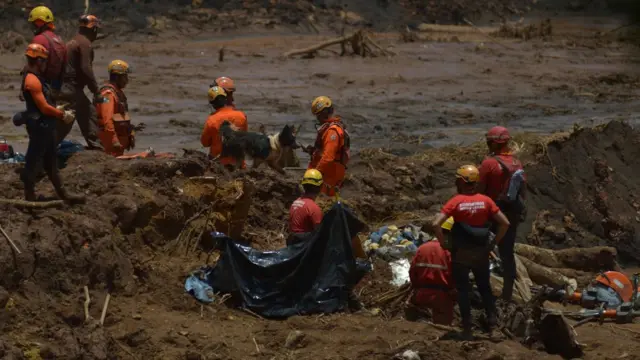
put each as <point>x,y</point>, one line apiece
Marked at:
<point>29,193</point>
<point>69,198</point>
<point>467,333</point>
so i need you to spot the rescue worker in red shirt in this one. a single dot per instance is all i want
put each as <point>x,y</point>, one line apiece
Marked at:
<point>432,279</point>
<point>305,215</point>
<point>330,153</point>
<point>222,112</point>
<point>40,118</point>
<point>41,18</point>
<point>78,74</point>
<point>116,134</point>
<point>473,214</point>
<point>497,173</point>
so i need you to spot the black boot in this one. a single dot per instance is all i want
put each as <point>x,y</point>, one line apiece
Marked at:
<point>69,198</point>
<point>29,193</point>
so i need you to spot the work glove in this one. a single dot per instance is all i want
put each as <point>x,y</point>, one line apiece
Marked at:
<point>117,146</point>
<point>69,116</point>
<point>132,141</point>
<point>308,149</point>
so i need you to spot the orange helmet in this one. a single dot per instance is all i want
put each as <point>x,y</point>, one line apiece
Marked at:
<point>619,282</point>
<point>89,21</point>
<point>36,51</point>
<point>468,173</point>
<point>226,84</point>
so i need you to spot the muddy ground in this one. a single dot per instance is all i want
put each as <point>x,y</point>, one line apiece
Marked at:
<point>446,88</point>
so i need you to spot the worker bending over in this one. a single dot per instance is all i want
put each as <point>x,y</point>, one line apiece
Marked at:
<point>305,215</point>
<point>472,213</point>
<point>502,179</point>
<point>78,75</point>
<point>116,134</point>
<point>40,118</point>
<point>432,279</point>
<point>222,112</point>
<point>330,153</point>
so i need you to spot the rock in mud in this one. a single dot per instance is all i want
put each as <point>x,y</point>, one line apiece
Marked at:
<point>295,339</point>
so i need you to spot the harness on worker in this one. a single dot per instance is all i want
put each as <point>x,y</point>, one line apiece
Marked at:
<point>345,141</point>
<point>121,120</point>
<point>510,200</point>
<point>470,244</point>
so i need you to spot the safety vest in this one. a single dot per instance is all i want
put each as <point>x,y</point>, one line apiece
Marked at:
<point>121,118</point>
<point>344,153</point>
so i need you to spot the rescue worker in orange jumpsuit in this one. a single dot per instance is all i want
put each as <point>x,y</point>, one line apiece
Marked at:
<point>116,134</point>
<point>78,75</point>
<point>222,112</point>
<point>41,18</point>
<point>330,153</point>
<point>305,215</point>
<point>40,118</point>
<point>496,172</point>
<point>472,213</point>
<point>432,279</point>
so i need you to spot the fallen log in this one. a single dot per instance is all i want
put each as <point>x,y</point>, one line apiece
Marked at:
<point>33,204</point>
<point>361,44</point>
<point>543,275</point>
<point>522,285</point>
<point>592,259</point>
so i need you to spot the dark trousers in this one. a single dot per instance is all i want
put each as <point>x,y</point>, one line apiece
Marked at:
<point>87,119</point>
<point>463,286</point>
<point>507,257</point>
<point>41,151</point>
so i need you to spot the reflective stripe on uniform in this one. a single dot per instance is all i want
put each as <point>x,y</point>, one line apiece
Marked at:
<point>431,266</point>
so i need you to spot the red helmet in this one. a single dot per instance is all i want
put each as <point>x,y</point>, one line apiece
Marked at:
<point>498,135</point>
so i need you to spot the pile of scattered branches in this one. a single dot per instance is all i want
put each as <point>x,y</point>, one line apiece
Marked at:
<point>360,43</point>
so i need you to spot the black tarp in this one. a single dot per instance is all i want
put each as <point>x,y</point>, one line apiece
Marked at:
<point>313,276</point>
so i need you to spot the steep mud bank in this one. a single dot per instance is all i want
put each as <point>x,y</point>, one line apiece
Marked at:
<point>120,242</point>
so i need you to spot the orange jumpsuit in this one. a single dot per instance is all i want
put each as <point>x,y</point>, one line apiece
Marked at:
<point>211,134</point>
<point>331,154</point>
<point>113,120</point>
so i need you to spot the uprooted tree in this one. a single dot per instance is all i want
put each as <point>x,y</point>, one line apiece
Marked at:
<point>360,43</point>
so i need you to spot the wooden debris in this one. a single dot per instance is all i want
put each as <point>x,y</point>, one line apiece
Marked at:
<point>13,245</point>
<point>360,43</point>
<point>33,204</point>
<point>104,309</point>
<point>87,301</point>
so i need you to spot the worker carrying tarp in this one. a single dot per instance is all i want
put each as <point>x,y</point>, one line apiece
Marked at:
<point>313,276</point>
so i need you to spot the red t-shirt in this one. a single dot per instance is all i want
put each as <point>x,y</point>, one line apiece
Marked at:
<point>473,210</point>
<point>431,266</point>
<point>491,174</point>
<point>57,54</point>
<point>304,215</point>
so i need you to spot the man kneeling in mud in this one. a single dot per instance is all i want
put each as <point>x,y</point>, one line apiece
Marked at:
<point>472,213</point>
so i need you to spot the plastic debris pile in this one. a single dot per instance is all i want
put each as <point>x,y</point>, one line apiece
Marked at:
<point>395,243</point>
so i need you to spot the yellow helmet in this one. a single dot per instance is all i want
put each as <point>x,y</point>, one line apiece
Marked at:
<point>320,103</point>
<point>448,224</point>
<point>118,67</point>
<point>41,13</point>
<point>312,177</point>
<point>216,91</point>
<point>468,173</point>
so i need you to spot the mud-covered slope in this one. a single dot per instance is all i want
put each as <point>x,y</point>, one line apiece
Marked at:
<point>123,241</point>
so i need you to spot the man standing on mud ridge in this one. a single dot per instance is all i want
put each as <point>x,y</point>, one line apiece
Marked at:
<point>78,74</point>
<point>330,153</point>
<point>117,134</point>
<point>473,214</point>
<point>222,111</point>
<point>41,18</point>
<point>40,118</point>
<point>502,179</point>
